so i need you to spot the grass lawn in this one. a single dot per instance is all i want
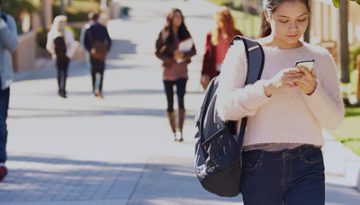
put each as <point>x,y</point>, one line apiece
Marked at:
<point>349,131</point>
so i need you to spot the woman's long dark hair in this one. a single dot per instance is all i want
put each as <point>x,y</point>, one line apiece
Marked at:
<point>269,7</point>
<point>183,32</point>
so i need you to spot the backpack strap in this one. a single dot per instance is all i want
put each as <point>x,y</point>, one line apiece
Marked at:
<point>255,61</point>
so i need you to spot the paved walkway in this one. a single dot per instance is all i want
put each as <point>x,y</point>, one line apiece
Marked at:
<point>82,150</point>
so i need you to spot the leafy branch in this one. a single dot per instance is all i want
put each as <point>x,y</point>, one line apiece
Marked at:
<point>337,2</point>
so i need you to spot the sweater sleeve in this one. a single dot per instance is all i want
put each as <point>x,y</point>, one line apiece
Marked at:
<point>50,42</point>
<point>234,100</point>
<point>160,50</point>
<point>326,102</point>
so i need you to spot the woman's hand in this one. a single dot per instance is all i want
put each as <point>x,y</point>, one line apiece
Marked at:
<point>178,55</point>
<point>307,83</point>
<point>284,78</point>
<point>164,35</point>
<point>204,80</point>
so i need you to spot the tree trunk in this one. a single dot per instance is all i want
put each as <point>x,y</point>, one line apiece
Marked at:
<point>43,14</point>
<point>344,41</point>
<point>62,11</point>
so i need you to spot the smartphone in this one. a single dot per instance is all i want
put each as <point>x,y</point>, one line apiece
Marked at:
<point>309,64</point>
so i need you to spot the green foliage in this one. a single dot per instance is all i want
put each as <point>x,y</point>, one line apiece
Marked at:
<point>249,24</point>
<point>16,7</point>
<point>349,131</point>
<point>41,38</point>
<point>337,2</point>
<point>78,10</point>
<point>76,32</point>
<point>354,52</point>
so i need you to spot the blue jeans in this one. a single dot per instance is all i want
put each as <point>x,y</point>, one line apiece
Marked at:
<point>4,106</point>
<point>292,177</point>
<point>97,66</point>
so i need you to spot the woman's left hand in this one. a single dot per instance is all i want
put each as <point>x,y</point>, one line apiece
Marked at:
<point>178,55</point>
<point>308,82</point>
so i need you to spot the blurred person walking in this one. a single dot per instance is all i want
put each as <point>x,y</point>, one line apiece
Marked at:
<point>286,110</point>
<point>217,43</point>
<point>8,43</point>
<point>82,37</point>
<point>98,43</point>
<point>61,45</point>
<point>175,47</point>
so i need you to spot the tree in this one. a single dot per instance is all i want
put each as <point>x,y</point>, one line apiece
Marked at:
<point>62,7</point>
<point>344,41</point>
<point>337,2</point>
<point>16,7</point>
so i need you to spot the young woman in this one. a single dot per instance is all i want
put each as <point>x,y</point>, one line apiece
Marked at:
<point>217,43</point>
<point>61,44</point>
<point>286,109</point>
<point>175,48</point>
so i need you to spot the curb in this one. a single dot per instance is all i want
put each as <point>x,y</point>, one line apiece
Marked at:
<point>341,161</point>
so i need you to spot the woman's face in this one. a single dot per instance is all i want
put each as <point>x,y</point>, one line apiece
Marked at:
<point>177,20</point>
<point>289,22</point>
<point>220,22</point>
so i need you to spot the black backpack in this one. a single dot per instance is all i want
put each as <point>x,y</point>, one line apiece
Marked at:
<point>60,47</point>
<point>218,149</point>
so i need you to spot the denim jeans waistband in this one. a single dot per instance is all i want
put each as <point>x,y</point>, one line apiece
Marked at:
<point>290,153</point>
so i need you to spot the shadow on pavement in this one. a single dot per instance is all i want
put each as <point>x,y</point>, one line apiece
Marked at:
<point>43,178</point>
<point>120,47</point>
<point>65,113</point>
<point>76,69</point>
<point>46,178</point>
<point>79,68</point>
<point>142,92</point>
<point>337,194</point>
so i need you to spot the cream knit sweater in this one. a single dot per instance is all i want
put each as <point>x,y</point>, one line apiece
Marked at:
<point>288,116</point>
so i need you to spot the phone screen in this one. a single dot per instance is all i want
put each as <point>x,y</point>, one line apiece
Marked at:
<point>309,64</point>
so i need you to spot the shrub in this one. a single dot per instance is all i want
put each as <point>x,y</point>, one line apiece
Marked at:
<point>16,7</point>
<point>354,52</point>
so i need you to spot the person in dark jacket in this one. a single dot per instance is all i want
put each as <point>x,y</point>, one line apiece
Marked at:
<point>175,48</point>
<point>97,42</point>
<point>217,43</point>
<point>8,43</point>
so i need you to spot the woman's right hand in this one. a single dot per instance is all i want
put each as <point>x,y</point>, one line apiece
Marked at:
<point>164,34</point>
<point>204,81</point>
<point>178,55</point>
<point>284,78</point>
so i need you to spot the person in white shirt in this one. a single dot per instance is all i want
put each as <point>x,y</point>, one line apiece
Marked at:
<point>62,47</point>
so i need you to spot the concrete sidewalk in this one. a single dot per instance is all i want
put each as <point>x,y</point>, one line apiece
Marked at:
<point>119,150</point>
